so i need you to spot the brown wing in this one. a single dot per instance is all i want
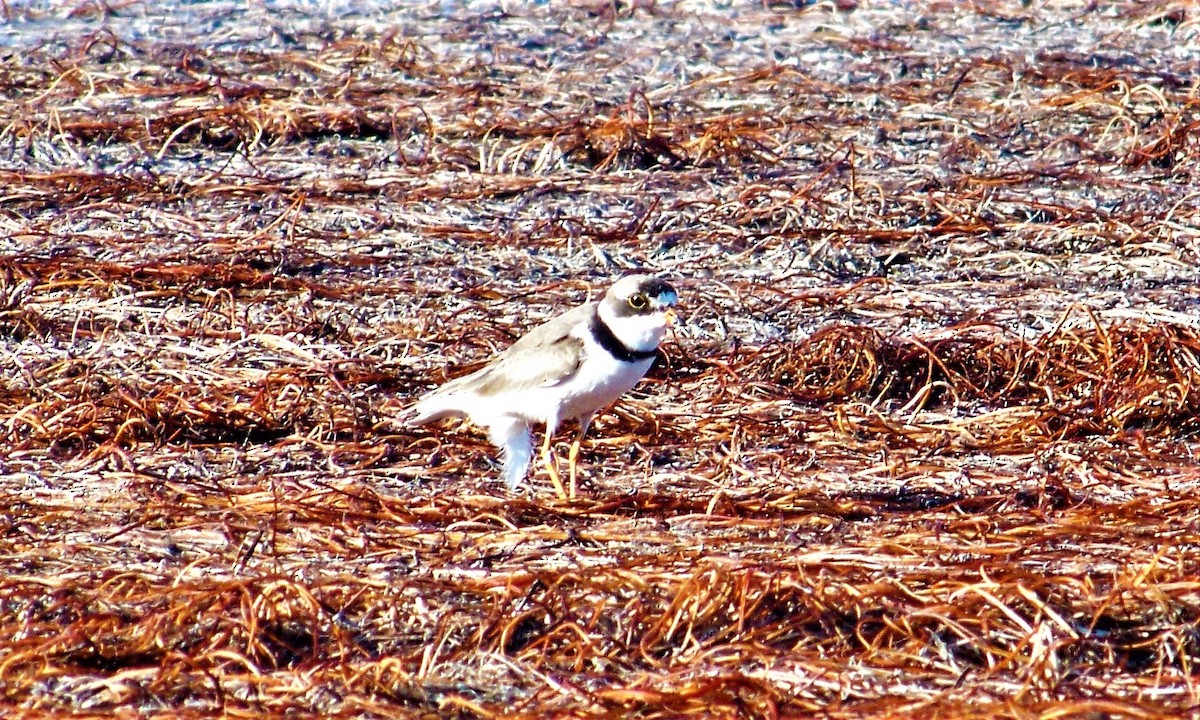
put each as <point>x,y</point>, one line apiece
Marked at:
<point>543,357</point>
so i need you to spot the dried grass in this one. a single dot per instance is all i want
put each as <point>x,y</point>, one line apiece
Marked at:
<point>925,445</point>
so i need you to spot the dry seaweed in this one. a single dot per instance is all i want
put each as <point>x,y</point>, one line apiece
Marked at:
<point>925,444</point>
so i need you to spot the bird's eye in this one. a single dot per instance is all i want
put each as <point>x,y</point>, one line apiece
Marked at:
<point>637,301</point>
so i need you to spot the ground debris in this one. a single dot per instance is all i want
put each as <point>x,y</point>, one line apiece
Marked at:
<point>924,443</point>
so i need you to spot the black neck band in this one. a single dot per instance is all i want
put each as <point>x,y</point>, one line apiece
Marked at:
<point>604,335</point>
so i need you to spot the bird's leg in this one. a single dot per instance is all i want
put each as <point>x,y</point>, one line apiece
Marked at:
<point>548,459</point>
<point>573,454</point>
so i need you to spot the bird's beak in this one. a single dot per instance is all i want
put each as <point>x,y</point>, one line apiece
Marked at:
<point>671,316</point>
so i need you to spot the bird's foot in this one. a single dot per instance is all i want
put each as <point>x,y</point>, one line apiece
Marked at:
<point>572,468</point>
<point>552,471</point>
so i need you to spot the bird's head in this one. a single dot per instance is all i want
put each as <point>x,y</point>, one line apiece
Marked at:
<point>639,309</point>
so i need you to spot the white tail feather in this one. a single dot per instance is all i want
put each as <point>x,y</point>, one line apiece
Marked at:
<point>512,436</point>
<point>431,408</point>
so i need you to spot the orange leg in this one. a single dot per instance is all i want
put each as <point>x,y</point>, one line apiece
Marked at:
<point>548,460</point>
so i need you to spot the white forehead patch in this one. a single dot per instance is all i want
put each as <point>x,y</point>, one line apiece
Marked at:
<point>668,298</point>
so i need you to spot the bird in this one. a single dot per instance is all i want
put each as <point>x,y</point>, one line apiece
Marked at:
<point>568,368</point>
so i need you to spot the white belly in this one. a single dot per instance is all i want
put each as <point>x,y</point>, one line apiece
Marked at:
<point>598,382</point>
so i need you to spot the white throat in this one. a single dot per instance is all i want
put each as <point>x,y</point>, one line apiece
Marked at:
<point>639,333</point>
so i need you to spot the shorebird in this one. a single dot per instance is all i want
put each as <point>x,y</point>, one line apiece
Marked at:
<point>568,368</point>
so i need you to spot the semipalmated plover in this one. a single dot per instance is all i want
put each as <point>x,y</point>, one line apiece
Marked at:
<point>567,368</point>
